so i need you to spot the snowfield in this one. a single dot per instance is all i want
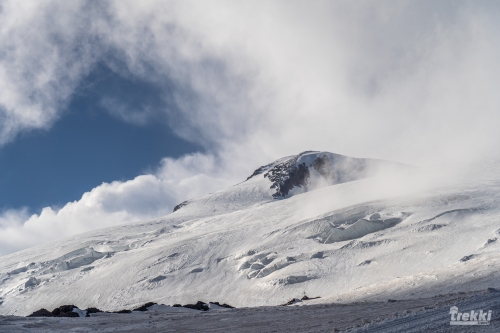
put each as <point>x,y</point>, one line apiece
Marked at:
<point>317,223</point>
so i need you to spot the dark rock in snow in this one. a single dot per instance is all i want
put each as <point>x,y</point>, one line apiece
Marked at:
<point>492,240</point>
<point>305,298</point>
<point>466,258</point>
<point>145,306</point>
<point>62,311</point>
<point>296,171</point>
<point>296,300</point>
<point>123,311</point>
<point>92,310</point>
<point>65,311</point>
<point>41,313</point>
<point>290,302</point>
<point>222,305</point>
<point>198,306</point>
<point>285,176</point>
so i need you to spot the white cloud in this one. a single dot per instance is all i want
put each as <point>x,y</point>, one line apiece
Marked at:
<point>144,197</point>
<point>43,53</point>
<point>254,81</point>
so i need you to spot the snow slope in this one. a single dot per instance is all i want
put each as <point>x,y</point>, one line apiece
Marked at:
<point>325,224</point>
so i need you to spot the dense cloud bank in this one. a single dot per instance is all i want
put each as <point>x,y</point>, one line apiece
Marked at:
<point>251,82</point>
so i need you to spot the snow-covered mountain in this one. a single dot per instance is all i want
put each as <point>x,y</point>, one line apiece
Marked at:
<point>325,224</point>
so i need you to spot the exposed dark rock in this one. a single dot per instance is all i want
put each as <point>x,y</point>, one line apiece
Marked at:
<point>305,298</point>
<point>65,311</point>
<point>290,302</point>
<point>222,305</point>
<point>198,306</point>
<point>492,290</point>
<point>179,206</point>
<point>41,313</point>
<point>296,171</point>
<point>295,300</point>
<point>366,262</point>
<point>62,311</point>
<point>391,301</point>
<point>492,240</point>
<point>285,176</point>
<point>467,258</point>
<point>145,306</point>
<point>92,310</point>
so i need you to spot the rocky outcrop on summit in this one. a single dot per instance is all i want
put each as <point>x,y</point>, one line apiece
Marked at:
<point>291,175</point>
<point>312,169</point>
<point>287,175</point>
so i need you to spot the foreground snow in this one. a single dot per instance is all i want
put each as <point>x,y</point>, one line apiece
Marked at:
<point>412,315</point>
<point>396,234</point>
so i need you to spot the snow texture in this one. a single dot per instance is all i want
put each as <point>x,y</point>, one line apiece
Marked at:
<point>347,233</point>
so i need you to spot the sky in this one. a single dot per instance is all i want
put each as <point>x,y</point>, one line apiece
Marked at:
<point>87,146</point>
<point>115,111</point>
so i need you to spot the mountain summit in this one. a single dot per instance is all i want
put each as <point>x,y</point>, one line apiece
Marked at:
<point>329,225</point>
<point>311,169</point>
<point>304,172</point>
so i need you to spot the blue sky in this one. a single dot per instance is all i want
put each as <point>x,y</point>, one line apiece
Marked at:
<point>115,111</point>
<point>88,145</point>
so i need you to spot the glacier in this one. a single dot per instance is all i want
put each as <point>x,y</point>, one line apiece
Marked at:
<point>321,224</point>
